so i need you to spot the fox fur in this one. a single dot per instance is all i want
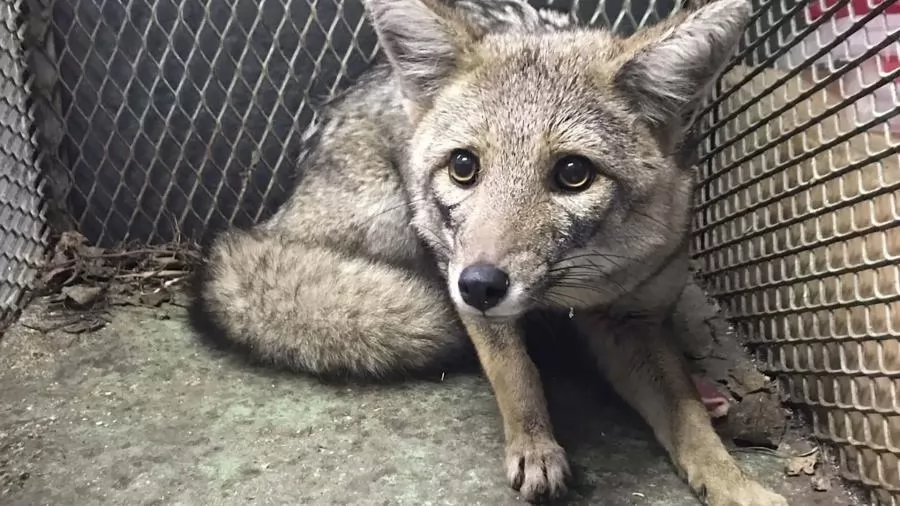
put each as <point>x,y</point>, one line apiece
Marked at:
<point>360,272</point>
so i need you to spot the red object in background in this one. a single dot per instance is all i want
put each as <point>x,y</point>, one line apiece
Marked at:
<point>855,42</point>
<point>890,62</point>
<point>856,8</point>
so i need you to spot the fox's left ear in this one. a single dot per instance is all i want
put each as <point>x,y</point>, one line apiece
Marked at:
<point>424,40</point>
<point>669,76</point>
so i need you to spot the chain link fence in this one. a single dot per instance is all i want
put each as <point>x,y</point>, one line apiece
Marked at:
<point>179,117</point>
<point>164,120</point>
<point>183,116</point>
<point>23,233</point>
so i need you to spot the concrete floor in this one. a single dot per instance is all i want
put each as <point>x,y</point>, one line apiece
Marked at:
<point>140,413</point>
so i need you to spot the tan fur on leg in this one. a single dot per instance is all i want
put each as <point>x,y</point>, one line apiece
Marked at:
<point>647,371</point>
<point>536,463</point>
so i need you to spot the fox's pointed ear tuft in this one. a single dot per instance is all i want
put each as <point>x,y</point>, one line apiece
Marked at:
<point>669,76</point>
<point>423,40</point>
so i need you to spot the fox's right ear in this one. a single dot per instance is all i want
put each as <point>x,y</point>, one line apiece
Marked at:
<point>668,78</point>
<point>424,41</point>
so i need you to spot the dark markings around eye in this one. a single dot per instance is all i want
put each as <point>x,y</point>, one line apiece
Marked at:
<point>583,228</point>
<point>444,211</point>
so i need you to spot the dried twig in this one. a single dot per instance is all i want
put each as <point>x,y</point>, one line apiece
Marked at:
<point>122,272</point>
<point>152,274</point>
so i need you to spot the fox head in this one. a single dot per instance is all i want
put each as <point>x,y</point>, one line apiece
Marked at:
<point>541,167</point>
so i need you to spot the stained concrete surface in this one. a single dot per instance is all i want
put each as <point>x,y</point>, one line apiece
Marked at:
<point>141,413</point>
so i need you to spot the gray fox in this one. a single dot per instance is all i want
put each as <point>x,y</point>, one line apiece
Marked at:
<point>500,162</point>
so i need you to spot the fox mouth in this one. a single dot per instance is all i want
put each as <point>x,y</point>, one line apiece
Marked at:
<point>508,309</point>
<point>490,315</point>
<point>486,291</point>
<point>488,295</point>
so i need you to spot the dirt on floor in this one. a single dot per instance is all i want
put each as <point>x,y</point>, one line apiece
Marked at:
<point>127,407</point>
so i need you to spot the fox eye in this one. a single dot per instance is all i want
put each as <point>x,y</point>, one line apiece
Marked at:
<point>463,167</point>
<point>573,173</point>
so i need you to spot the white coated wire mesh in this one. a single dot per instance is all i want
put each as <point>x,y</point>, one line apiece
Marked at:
<point>167,119</point>
<point>798,225</point>
<point>181,116</point>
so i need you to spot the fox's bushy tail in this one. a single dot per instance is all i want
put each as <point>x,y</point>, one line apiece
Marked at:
<point>321,311</point>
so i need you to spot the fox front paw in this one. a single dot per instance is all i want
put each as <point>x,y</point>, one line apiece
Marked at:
<point>537,468</point>
<point>748,493</point>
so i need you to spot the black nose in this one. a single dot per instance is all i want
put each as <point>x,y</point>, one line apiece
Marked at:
<point>483,286</point>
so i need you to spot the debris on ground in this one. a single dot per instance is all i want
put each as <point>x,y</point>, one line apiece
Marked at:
<point>758,419</point>
<point>744,401</point>
<point>821,483</point>
<point>82,296</point>
<point>799,464</point>
<point>802,464</point>
<point>744,379</point>
<point>155,298</point>
<point>91,279</point>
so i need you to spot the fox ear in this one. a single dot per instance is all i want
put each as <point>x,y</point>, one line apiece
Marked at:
<point>423,41</point>
<point>668,77</point>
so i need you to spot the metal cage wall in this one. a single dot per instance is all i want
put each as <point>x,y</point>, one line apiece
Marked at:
<point>162,120</point>
<point>797,224</point>
<point>182,116</point>
<point>23,232</point>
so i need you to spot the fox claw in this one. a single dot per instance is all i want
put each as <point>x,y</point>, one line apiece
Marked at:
<point>538,469</point>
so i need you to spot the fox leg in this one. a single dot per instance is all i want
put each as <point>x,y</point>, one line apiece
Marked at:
<point>650,374</point>
<point>536,464</point>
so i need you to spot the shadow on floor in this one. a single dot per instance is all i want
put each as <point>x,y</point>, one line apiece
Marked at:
<point>140,413</point>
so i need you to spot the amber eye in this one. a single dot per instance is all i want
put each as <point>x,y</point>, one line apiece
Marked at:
<point>574,173</point>
<point>463,167</point>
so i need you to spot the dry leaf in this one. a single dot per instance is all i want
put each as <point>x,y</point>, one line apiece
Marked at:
<point>84,325</point>
<point>81,296</point>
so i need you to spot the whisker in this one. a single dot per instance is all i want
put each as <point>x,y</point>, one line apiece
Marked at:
<point>572,275</point>
<point>405,203</point>
<point>593,268</point>
<point>614,282</point>
<point>593,254</point>
<point>583,286</point>
<point>569,301</point>
<point>587,257</point>
<point>651,218</point>
<point>541,301</point>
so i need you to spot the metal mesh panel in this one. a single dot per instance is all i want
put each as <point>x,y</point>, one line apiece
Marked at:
<point>181,116</point>
<point>167,119</point>
<point>798,225</point>
<point>22,230</point>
